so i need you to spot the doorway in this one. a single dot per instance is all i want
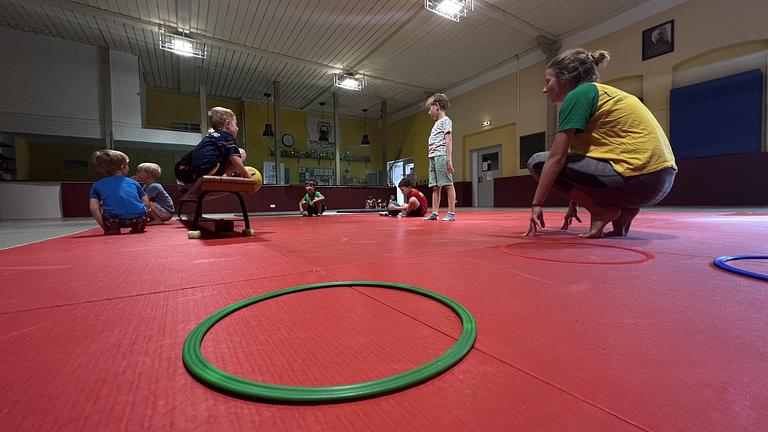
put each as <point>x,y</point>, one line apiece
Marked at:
<point>486,166</point>
<point>399,169</point>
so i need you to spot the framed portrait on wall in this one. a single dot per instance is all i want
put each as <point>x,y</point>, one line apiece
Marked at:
<point>659,40</point>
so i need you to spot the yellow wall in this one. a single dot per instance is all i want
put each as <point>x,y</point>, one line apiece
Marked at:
<point>407,138</point>
<point>504,135</point>
<point>700,27</point>
<point>496,101</point>
<point>68,158</point>
<point>164,107</point>
<point>630,84</point>
<point>47,161</point>
<point>22,159</point>
<point>295,122</point>
<point>704,34</point>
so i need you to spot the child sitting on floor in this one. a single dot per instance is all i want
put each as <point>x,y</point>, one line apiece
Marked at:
<point>159,200</point>
<point>117,201</point>
<point>415,204</point>
<point>313,203</point>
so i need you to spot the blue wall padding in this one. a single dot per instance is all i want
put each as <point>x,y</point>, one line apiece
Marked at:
<point>718,117</point>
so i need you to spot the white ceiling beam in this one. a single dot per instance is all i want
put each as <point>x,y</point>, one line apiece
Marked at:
<point>535,55</point>
<point>510,20</point>
<point>106,14</point>
<point>418,9</point>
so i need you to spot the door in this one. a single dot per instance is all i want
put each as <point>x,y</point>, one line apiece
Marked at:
<point>486,164</point>
<point>398,170</point>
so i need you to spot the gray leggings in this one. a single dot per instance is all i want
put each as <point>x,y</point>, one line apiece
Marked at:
<point>599,180</point>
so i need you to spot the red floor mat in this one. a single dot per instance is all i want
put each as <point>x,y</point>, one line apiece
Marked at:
<point>92,327</point>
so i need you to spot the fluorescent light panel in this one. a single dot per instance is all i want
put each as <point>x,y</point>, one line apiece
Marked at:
<point>451,9</point>
<point>181,45</point>
<point>349,82</point>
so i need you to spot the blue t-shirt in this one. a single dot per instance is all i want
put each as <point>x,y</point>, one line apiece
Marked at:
<point>215,148</point>
<point>156,193</point>
<point>120,197</point>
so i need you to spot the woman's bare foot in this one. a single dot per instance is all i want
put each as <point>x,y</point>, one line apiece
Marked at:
<point>622,223</point>
<point>598,223</point>
<point>600,212</point>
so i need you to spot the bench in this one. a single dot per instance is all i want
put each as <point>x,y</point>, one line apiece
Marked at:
<point>215,184</point>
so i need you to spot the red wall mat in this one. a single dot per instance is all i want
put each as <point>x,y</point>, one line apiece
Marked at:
<point>463,194</point>
<point>74,198</point>
<point>695,184</point>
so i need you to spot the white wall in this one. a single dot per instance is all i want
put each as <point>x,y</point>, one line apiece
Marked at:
<point>54,87</point>
<point>49,86</point>
<point>30,200</point>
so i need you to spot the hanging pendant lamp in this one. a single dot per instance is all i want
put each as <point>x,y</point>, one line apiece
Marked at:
<point>268,131</point>
<point>365,142</point>
<point>323,133</point>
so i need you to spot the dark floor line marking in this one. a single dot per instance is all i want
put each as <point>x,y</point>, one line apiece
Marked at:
<point>518,368</point>
<point>152,293</point>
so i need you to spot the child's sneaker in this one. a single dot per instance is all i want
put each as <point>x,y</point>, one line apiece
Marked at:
<point>449,217</point>
<point>111,226</point>
<point>432,216</point>
<point>139,224</point>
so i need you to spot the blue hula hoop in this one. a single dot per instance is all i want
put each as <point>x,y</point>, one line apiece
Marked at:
<point>723,260</point>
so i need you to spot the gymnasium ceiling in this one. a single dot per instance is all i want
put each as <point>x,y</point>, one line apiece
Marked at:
<point>403,49</point>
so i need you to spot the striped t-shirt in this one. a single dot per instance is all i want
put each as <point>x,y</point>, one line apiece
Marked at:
<point>437,136</point>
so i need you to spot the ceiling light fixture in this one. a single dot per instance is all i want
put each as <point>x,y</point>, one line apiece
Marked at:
<point>182,45</point>
<point>349,81</point>
<point>451,9</point>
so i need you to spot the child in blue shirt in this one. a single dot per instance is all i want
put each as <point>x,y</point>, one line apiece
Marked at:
<point>117,201</point>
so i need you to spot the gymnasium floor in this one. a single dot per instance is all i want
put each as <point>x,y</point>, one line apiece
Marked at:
<point>638,333</point>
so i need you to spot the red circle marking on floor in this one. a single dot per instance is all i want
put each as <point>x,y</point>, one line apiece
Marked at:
<point>596,253</point>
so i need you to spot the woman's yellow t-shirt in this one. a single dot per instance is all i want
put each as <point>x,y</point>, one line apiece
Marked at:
<point>616,127</point>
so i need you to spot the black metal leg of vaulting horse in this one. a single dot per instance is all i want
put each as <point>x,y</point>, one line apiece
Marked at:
<point>245,210</point>
<point>198,211</point>
<point>181,204</point>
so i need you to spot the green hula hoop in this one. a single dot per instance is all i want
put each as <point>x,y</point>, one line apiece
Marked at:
<point>219,380</point>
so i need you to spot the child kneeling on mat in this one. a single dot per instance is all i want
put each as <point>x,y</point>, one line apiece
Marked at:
<point>313,203</point>
<point>117,201</point>
<point>415,202</point>
<point>162,206</point>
